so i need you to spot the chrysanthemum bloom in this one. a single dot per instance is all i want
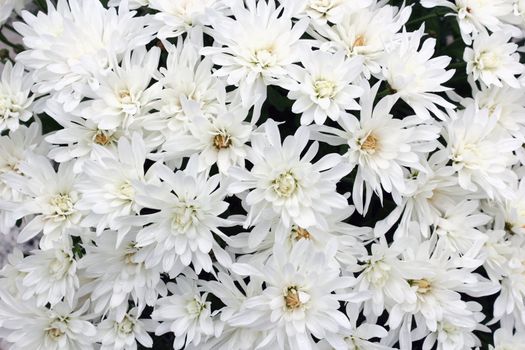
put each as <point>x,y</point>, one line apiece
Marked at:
<point>300,298</point>
<point>284,179</point>
<point>15,148</point>
<point>255,48</point>
<point>50,275</point>
<point>108,185</point>
<point>494,60</point>
<point>116,275</point>
<point>182,230</point>
<point>415,76</point>
<point>186,313</point>
<point>324,88</point>
<point>217,140</point>
<point>366,33</point>
<point>50,196</point>
<point>480,157</point>
<point>72,44</point>
<point>15,102</point>
<point>126,333</point>
<point>476,16</point>
<point>381,147</point>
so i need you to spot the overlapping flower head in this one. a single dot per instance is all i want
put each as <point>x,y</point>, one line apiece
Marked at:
<point>263,174</point>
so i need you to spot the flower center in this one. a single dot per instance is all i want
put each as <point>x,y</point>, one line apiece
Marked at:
<point>423,286</point>
<point>299,233</point>
<point>126,191</point>
<point>321,6</point>
<point>59,266</point>
<point>264,58</point>
<point>103,138</point>
<point>488,60</point>
<point>183,218</point>
<point>285,184</point>
<point>324,88</point>
<point>292,298</point>
<point>57,328</point>
<point>195,307</point>
<point>62,205</point>
<point>360,40</point>
<point>129,253</point>
<point>221,141</point>
<point>369,144</point>
<point>126,326</point>
<point>54,333</point>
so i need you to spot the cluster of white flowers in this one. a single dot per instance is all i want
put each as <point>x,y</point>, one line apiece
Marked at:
<point>263,174</point>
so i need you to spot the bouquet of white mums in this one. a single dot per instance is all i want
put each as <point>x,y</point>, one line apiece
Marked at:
<point>262,174</point>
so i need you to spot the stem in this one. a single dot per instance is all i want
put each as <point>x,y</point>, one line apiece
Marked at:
<point>424,18</point>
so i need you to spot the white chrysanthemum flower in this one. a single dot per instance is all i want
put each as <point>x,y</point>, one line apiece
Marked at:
<point>217,140</point>
<point>476,16</point>
<point>50,196</point>
<point>79,140</point>
<point>117,274</point>
<point>505,103</point>
<point>187,82</point>
<point>415,76</point>
<point>125,95</point>
<point>429,195</point>
<point>450,336</point>
<point>385,276</point>
<point>283,179</point>
<point>50,276</point>
<point>494,60</point>
<point>300,299</point>
<point>57,328</point>
<point>438,289</point>
<point>324,86</point>
<point>381,147</point>
<point>177,17</point>
<point>15,148</point>
<point>15,102</point>
<point>365,32</point>
<point>182,230</point>
<point>124,334</point>
<point>255,47</point>
<point>480,158</point>
<point>73,43</point>
<point>186,313</point>
<point>108,185</point>
<point>323,11</point>
<point>458,229</point>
